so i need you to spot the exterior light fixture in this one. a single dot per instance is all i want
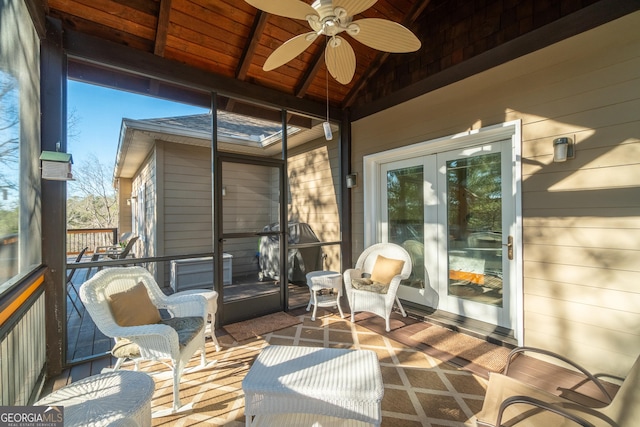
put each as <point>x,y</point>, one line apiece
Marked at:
<point>352,180</point>
<point>562,149</point>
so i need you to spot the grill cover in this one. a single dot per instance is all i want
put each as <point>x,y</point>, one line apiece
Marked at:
<point>301,261</point>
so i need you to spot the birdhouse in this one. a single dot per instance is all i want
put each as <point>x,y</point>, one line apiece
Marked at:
<point>56,166</point>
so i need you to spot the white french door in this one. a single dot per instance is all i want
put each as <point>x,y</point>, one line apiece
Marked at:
<point>454,212</point>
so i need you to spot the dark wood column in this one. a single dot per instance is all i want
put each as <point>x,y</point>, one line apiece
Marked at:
<point>345,211</point>
<point>54,194</point>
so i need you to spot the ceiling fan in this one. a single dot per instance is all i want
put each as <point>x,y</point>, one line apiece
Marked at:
<point>330,18</point>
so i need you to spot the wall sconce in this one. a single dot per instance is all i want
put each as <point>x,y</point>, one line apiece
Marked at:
<point>131,200</point>
<point>352,180</point>
<point>224,191</point>
<point>562,149</point>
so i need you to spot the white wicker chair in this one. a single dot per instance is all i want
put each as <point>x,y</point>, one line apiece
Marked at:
<point>158,342</point>
<point>380,304</point>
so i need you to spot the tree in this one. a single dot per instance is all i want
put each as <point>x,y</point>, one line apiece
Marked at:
<point>93,202</point>
<point>9,160</point>
<point>9,131</point>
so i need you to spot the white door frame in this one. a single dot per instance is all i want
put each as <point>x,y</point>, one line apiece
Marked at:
<point>508,130</point>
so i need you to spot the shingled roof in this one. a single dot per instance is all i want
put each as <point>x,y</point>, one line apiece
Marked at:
<point>230,126</point>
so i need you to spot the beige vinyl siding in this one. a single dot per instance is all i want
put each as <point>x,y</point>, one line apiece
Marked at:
<point>145,178</point>
<point>178,222</point>
<point>187,199</point>
<point>581,218</point>
<point>184,200</point>
<point>124,206</point>
<point>250,203</point>
<point>314,184</point>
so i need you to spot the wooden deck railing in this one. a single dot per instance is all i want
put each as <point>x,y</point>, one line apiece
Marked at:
<point>78,239</point>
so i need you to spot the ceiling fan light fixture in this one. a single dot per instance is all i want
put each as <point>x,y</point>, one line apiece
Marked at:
<point>353,29</point>
<point>330,18</point>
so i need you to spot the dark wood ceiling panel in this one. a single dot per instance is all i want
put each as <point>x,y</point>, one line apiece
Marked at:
<point>232,39</point>
<point>150,7</point>
<point>103,32</point>
<point>113,15</point>
<point>199,60</point>
<point>226,43</point>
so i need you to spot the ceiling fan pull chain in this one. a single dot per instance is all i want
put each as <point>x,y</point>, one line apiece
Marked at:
<point>328,135</point>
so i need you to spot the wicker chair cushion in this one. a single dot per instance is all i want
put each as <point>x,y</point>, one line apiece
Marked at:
<point>366,284</point>
<point>186,327</point>
<point>133,307</point>
<point>385,269</point>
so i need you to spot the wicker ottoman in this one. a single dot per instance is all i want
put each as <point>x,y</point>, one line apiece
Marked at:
<point>327,383</point>
<point>119,398</point>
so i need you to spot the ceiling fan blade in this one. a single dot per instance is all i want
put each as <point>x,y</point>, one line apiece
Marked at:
<point>384,35</point>
<point>289,50</point>
<point>340,59</point>
<point>295,9</point>
<point>354,7</point>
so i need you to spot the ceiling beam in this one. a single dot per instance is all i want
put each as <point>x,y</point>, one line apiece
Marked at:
<point>163,27</point>
<point>310,74</point>
<point>381,57</point>
<point>123,58</point>
<point>254,36</point>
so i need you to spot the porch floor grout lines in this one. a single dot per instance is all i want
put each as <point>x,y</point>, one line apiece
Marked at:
<point>460,403</point>
<point>420,390</point>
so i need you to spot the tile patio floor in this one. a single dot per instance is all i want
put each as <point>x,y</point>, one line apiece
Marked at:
<point>419,389</point>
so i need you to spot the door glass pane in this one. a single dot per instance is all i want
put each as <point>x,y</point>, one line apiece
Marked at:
<point>405,205</point>
<point>474,216</point>
<point>250,205</point>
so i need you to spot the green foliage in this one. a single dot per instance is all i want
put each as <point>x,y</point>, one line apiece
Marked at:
<point>9,221</point>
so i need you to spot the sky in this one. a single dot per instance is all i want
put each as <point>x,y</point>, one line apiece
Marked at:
<point>100,112</point>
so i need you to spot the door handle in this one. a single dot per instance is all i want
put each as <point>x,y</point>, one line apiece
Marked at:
<point>509,246</point>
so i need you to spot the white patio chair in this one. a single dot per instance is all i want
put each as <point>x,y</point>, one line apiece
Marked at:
<point>114,298</point>
<point>377,299</point>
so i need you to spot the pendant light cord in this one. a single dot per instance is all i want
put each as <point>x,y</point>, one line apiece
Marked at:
<point>326,74</point>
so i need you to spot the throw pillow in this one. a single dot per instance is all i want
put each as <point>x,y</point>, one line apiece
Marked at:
<point>385,269</point>
<point>133,307</point>
<point>366,284</point>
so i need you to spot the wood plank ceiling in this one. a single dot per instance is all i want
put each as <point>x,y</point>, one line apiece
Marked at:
<point>226,37</point>
<point>231,38</point>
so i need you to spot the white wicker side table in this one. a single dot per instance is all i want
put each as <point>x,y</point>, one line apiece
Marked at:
<point>119,398</point>
<point>319,280</point>
<point>330,383</point>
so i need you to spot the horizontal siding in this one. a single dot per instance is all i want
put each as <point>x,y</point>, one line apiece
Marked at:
<point>581,218</point>
<point>187,199</point>
<point>565,216</point>
<point>574,265</point>
<point>249,202</point>
<point>590,294</point>
<point>314,181</point>
<point>596,238</point>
